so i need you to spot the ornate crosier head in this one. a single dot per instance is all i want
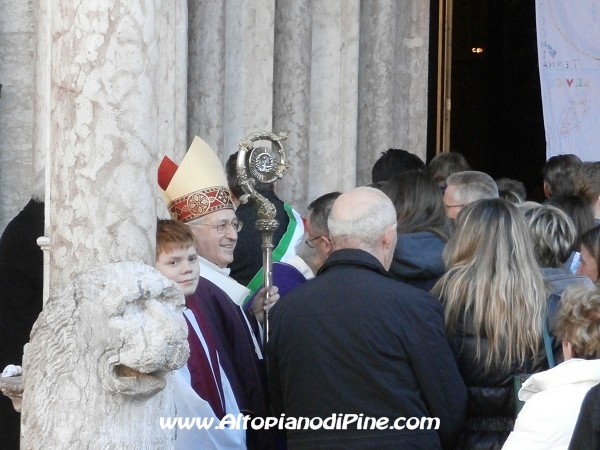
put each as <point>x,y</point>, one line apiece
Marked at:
<point>260,164</point>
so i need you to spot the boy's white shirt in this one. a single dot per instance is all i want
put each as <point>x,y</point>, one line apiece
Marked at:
<point>189,404</point>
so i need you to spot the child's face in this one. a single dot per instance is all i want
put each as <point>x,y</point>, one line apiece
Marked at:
<point>181,266</point>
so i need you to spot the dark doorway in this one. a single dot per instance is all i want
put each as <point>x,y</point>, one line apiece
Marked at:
<point>496,108</point>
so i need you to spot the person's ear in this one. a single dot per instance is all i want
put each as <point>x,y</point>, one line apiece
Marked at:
<point>328,245</point>
<point>567,350</point>
<point>389,237</point>
<point>547,191</point>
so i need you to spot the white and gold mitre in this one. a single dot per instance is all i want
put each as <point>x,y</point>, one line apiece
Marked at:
<point>198,186</point>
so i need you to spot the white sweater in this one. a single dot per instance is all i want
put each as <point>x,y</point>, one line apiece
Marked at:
<point>552,402</point>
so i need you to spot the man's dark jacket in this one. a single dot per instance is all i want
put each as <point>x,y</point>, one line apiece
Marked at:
<point>21,293</point>
<point>587,430</point>
<point>355,341</point>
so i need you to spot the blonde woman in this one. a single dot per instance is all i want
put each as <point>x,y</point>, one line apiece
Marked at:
<point>495,304</point>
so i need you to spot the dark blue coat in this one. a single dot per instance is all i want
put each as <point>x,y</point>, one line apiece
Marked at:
<point>355,341</point>
<point>587,430</point>
<point>418,259</point>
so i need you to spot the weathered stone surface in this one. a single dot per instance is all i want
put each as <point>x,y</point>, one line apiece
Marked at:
<point>394,48</point>
<point>105,134</point>
<point>345,79</point>
<point>99,359</point>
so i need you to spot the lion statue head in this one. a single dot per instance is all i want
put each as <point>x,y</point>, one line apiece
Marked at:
<point>99,359</point>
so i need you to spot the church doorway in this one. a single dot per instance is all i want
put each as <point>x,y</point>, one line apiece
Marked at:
<point>484,90</point>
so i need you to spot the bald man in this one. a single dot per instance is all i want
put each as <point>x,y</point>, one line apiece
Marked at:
<point>355,342</point>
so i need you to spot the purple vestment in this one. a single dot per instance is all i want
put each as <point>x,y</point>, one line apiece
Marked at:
<point>237,356</point>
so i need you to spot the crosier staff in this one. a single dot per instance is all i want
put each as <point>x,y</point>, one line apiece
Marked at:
<point>265,165</point>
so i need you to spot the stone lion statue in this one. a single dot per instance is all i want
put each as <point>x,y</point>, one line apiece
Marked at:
<point>99,359</point>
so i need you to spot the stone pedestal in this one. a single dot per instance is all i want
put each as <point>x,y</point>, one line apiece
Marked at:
<point>101,353</point>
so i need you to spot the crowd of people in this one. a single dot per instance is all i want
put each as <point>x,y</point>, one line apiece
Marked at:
<point>438,292</point>
<point>436,308</point>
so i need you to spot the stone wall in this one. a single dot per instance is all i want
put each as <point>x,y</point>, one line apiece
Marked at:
<point>346,79</point>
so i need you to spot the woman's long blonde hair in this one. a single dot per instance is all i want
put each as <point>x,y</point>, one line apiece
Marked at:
<point>493,280</point>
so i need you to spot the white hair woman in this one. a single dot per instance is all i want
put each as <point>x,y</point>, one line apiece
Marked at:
<point>553,398</point>
<point>495,304</point>
<point>554,237</point>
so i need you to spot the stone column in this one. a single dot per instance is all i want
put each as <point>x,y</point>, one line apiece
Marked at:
<point>172,87</point>
<point>291,94</point>
<point>41,124</point>
<point>249,34</point>
<point>105,134</point>
<point>414,49</point>
<point>206,71</point>
<point>108,124</point>
<point>394,49</point>
<point>333,103</point>
<point>172,82</point>
<point>16,106</point>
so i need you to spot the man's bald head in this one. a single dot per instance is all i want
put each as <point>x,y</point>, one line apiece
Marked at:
<point>362,218</point>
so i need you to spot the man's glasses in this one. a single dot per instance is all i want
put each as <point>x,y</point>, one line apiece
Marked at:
<point>222,227</point>
<point>309,242</point>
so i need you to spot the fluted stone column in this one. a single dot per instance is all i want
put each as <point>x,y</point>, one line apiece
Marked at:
<point>291,94</point>
<point>105,133</point>
<point>172,87</point>
<point>346,79</point>
<point>333,102</point>
<point>16,106</point>
<point>172,82</point>
<point>249,34</point>
<point>41,124</point>
<point>206,71</point>
<point>230,75</point>
<point>316,101</point>
<point>394,45</point>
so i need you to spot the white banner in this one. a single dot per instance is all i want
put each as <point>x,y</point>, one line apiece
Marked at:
<point>568,35</point>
